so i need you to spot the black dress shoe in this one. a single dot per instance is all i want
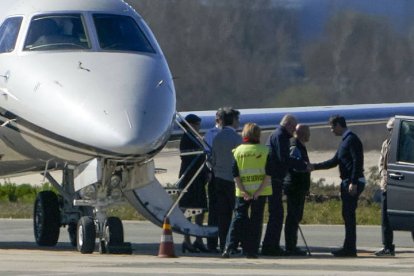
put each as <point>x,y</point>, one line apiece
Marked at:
<point>251,256</point>
<point>188,247</point>
<point>234,251</point>
<point>295,252</point>
<point>200,246</point>
<point>213,250</point>
<point>272,251</point>
<point>226,254</point>
<point>344,253</point>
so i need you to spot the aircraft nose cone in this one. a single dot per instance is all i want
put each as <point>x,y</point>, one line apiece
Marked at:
<point>141,112</point>
<point>123,104</point>
<point>143,127</point>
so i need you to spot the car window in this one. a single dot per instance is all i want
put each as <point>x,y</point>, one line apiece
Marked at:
<point>56,32</point>
<point>406,142</point>
<point>120,33</point>
<point>9,31</point>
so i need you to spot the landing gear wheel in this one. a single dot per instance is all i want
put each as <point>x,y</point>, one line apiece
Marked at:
<point>86,235</point>
<point>412,235</point>
<point>46,219</point>
<point>113,232</point>
<point>72,228</point>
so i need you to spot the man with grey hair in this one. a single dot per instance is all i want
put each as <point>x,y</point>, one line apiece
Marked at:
<point>279,161</point>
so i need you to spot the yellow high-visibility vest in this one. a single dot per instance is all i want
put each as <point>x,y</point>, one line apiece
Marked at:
<point>251,161</point>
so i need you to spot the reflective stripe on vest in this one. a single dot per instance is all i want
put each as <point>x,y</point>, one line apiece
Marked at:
<point>251,161</point>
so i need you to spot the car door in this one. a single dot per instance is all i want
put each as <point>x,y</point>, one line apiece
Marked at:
<point>400,191</point>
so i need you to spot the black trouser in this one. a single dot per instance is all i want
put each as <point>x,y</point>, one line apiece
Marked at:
<point>387,234</point>
<point>225,204</point>
<point>275,222</point>
<point>295,206</point>
<point>246,229</point>
<point>212,212</point>
<point>349,205</point>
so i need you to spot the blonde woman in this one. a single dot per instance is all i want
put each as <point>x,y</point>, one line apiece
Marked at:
<point>252,188</point>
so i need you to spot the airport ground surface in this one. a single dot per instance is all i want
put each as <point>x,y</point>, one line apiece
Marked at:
<point>19,255</point>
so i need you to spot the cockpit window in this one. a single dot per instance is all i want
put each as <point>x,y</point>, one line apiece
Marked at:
<point>56,32</point>
<point>8,34</point>
<point>120,33</point>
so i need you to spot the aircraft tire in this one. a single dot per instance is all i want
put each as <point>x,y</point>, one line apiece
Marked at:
<point>46,219</point>
<point>86,235</point>
<point>72,228</point>
<point>113,232</point>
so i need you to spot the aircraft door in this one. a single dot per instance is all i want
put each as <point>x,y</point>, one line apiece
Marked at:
<point>400,191</point>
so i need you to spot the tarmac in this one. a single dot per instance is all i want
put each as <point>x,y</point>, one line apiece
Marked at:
<point>19,255</point>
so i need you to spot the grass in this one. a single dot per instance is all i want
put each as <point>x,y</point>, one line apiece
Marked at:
<point>327,212</point>
<point>15,210</point>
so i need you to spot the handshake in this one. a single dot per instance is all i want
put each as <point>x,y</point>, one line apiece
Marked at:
<point>309,167</point>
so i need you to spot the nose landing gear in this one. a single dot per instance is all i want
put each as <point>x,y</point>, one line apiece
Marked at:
<point>111,236</point>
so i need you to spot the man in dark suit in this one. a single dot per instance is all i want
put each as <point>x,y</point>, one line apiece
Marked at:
<point>279,161</point>
<point>296,186</point>
<point>350,159</point>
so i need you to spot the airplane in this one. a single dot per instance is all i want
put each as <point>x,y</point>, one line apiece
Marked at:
<point>85,89</point>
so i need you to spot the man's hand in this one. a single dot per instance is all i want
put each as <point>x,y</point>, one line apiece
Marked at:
<point>353,189</point>
<point>256,195</point>
<point>246,196</point>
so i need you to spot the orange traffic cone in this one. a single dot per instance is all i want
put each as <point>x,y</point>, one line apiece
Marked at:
<point>167,243</point>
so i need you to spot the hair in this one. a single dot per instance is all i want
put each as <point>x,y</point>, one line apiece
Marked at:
<point>288,119</point>
<point>220,113</point>
<point>337,120</point>
<point>229,114</point>
<point>390,123</point>
<point>251,132</point>
<point>301,130</point>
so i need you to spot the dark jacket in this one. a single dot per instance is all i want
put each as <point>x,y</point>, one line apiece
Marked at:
<point>189,144</point>
<point>279,159</point>
<point>297,182</point>
<point>349,157</point>
<point>195,197</point>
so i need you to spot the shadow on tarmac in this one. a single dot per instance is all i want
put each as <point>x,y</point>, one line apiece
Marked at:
<point>151,249</point>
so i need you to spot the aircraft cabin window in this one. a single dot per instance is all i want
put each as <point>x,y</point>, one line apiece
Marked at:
<point>406,142</point>
<point>9,31</point>
<point>56,32</point>
<point>120,33</point>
